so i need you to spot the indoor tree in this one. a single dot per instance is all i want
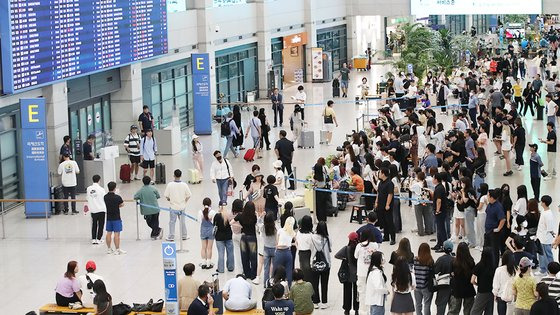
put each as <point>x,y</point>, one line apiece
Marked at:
<point>417,49</point>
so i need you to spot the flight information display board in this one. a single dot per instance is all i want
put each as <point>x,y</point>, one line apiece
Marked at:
<point>51,40</point>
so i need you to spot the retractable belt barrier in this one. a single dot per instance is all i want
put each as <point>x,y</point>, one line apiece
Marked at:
<point>179,212</point>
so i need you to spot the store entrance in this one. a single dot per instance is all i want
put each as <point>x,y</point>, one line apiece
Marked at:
<point>91,117</point>
<point>9,156</point>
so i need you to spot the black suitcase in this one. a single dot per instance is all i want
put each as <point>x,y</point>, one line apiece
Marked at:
<point>336,92</point>
<point>57,193</point>
<point>160,173</point>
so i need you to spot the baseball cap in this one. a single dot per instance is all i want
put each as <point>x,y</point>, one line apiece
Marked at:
<point>90,265</point>
<point>448,246</point>
<point>525,262</point>
<point>534,145</point>
<point>353,236</point>
<point>133,127</point>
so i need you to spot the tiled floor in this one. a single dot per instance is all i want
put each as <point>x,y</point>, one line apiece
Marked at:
<point>30,265</point>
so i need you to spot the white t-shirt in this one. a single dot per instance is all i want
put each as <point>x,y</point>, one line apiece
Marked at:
<point>520,207</point>
<point>363,255</point>
<point>254,125</point>
<point>279,180</point>
<point>87,294</point>
<point>239,291</point>
<point>301,97</point>
<point>547,227</point>
<point>95,201</point>
<point>178,193</point>
<point>211,215</point>
<point>550,107</point>
<point>284,239</point>
<point>396,110</point>
<point>304,241</point>
<point>68,170</point>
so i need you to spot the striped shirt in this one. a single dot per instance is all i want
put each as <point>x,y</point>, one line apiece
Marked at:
<point>132,142</point>
<point>422,273</point>
<point>553,286</point>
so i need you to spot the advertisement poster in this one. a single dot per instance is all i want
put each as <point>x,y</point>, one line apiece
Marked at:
<point>317,63</point>
<point>448,7</point>
<point>169,254</point>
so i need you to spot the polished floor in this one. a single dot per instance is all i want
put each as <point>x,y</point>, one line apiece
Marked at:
<point>30,265</point>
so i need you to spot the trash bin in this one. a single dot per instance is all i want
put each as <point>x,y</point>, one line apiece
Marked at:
<point>540,112</point>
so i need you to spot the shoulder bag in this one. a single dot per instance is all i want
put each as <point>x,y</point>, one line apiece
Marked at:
<point>327,119</point>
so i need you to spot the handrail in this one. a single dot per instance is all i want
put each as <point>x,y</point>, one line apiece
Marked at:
<point>52,200</point>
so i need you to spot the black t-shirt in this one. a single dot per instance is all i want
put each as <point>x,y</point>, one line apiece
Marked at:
<point>551,136</point>
<point>285,148</point>
<point>279,307</point>
<point>269,192</point>
<point>385,188</point>
<point>472,84</point>
<point>146,121</point>
<point>112,202</point>
<point>431,122</point>
<point>223,230</point>
<point>87,151</point>
<point>247,225</point>
<point>486,126</point>
<point>519,133</point>
<point>518,255</point>
<point>440,193</point>
<point>498,130</point>
<point>484,277</point>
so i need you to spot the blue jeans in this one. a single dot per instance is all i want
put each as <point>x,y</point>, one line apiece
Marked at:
<point>423,298</point>
<point>229,146</point>
<point>226,246</point>
<point>283,257</point>
<point>546,258</point>
<point>376,310</point>
<point>222,189</point>
<point>477,180</point>
<point>269,253</point>
<point>470,214</point>
<point>551,119</point>
<point>249,255</point>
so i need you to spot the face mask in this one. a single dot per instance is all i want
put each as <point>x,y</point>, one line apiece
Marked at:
<point>219,158</point>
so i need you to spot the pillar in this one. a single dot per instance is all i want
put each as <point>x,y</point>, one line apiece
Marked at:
<point>206,36</point>
<point>57,121</point>
<point>126,103</point>
<point>264,49</point>
<point>311,29</point>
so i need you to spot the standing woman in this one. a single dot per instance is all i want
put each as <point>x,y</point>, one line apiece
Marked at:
<point>403,251</point>
<point>502,281</point>
<point>102,302</point>
<point>533,216</point>
<point>224,242</point>
<point>238,141</point>
<point>482,277</point>
<point>481,215</point>
<point>68,288</point>
<point>520,206</point>
<point>198,159</point>
<point>350,290</point>
<point>396,179</point>
<point>529,99</point>
<point>265,128</point>
<point>402,282</point>
<point>205,217</point>
<point>283,255</point>
<point>422,210</point>
<point>462,290</point>
<point>519,140</point>
<point>376,290</point>
<point>506,146</point>
<point>363,253</point>
<point>329,120</point>
<point>321,243</point>
<point>507,205</point>
<point>423,272</point>
<point>524,287</point>
<point>248,243</point>
<point>296,124</point>
<point>442,95</point>
<point>304,243</point>
<point>255,192</point>
<point>236,209</point>
<point>367,175</point>
<point>268,232</point>
<point>467,196</point>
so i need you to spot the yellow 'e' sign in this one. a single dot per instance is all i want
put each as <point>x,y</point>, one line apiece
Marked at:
<point>199,63</point>
<point>32,113</point>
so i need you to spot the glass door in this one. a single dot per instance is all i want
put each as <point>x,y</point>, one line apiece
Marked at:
<point>9,170</point>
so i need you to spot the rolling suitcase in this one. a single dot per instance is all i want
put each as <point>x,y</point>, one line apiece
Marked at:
<point>307,139</point>
<point>160,173</point>
<point>249,155</point>
<point>57,193</point>
<point>323,137</point>
<point>193,176</point>
<point>124,173</point>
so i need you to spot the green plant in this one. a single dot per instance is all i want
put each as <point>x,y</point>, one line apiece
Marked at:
<point>417,49</point>
<point>515,18</point>
<point>460,44</point>
<point>443,55</point>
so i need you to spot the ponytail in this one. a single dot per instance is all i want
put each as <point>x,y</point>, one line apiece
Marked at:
<point>207,203</point>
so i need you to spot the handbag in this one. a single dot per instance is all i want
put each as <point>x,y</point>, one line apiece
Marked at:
<point>327,119</point>
<point>443,279</point>
<point>232,180</point>
<point>158,306</point>
<point>136,307</point>
<point>121,309</point>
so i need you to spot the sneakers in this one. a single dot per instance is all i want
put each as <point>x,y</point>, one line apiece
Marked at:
<point>100,241</point>
<point>170,239</point>
<point>94,242</point>
<point>110,251</point>
<point>120,252</point>
<point>539,274</point>
<point>508,173</point>
<point>315,306</point>
<point>323,306</point>
<point>75,306</point>
<point>74,212</point>
<point>519,168</point>
<point>256,280</point>
<point>160,236</point>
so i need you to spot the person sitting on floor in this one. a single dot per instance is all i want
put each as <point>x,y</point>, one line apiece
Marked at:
<point>238,295</point>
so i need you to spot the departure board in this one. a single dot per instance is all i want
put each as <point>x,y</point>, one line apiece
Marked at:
<point>50,40</point>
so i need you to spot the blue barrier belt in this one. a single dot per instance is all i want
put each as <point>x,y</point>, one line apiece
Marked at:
<point>169,210</point>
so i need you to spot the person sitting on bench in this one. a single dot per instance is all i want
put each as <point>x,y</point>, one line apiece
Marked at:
<point>68,288</point>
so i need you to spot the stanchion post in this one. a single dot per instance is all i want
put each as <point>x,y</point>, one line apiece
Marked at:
<point>3,226</point>
<point>47,218</point>
<point>137,221</point>
<point>294,177</point>
<point>315,202</point>
<point>181,250</point>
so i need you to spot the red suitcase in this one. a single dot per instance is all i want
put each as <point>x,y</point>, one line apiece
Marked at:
<point>249,155</point>
<point>125,173</point>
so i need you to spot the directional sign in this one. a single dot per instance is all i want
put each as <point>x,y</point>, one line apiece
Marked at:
<point>169,254</point>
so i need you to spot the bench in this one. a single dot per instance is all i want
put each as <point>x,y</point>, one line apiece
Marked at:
<point>53,309</point>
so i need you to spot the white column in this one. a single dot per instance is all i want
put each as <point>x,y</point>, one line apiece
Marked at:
<point>264,49</point>
<point>126,103</point>
<point>311,29</point>
<point>206,31</point>
<point>57,121</point>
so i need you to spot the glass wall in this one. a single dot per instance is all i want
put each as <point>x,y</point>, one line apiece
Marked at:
<point>276,47</point>
<point>456,24</point>
<point>236,73</point>
<point>168,87</point>
<point>9,154</point>
<point>333,40</point>
<point>481,23</point>
<point>91,117</point>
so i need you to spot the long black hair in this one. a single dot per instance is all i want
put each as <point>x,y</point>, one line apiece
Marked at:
<point>376,261</point>
<point>509,261</point>
<point>270,224</point>
<point>487,257</point>
<point>401,277</point>
<point>463,262</point>
<point>306,225</point>
<point>101,291</point>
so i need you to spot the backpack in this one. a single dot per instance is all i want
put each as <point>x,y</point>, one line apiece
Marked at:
<point>319,263</point>
<point>225,131</point>
<point>268,296</point>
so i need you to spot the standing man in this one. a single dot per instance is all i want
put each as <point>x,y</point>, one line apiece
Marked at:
<point>114,203</point>
<point>65,149</point>
<point>88,148</point>
<point>221,174</point>
<point>148,151</point>
<point>473,107</point>
<point>146,120</point>
<point>546,232</point>
<point>344,79</point>
<point>495,221</point>
<point>68,170</point>
<point>96,204</point>
<point>535,164</point>
<point>550,150</point>
<point>132,147</point>
<point>234,132</point>
<point>551,109</point>
<point>399,86</point>
<point>537,85</point>
<point>384,204</point>
<point>284,149</point>
<point>439,202</point>
<point>148,197</point>
<point>496,98</point>
<point>300,99</point>
<point>177,193</point>
<point>277,107</point>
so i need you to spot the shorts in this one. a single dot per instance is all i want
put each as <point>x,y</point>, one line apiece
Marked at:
<point>329,127</point>
<point>134,159</point>
<point>113,226</point>
<point>149,164</point>
<point>344,84</point>
<point>207,234</point>
<point>459,214</point>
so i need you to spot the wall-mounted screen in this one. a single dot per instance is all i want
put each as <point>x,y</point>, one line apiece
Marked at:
<point>51,40</point>
<point>449,7</point>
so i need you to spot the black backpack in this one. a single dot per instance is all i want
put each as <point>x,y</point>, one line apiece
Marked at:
<point>225,130</point>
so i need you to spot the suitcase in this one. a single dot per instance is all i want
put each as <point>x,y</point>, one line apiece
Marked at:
<point>160,173</point>
<point>193,176</point>
<point>124,174</point>
<point>323,137</point>
<point>336,92</point>
<point>307,139</point>
<point>57,193</point>
<point>249,155</point>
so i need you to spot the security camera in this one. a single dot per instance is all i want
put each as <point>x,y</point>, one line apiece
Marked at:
<point>217,29</point>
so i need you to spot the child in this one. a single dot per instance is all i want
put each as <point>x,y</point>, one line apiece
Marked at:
<point>114,203</point>
<point>206,217</point>
<point>271,196</point>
